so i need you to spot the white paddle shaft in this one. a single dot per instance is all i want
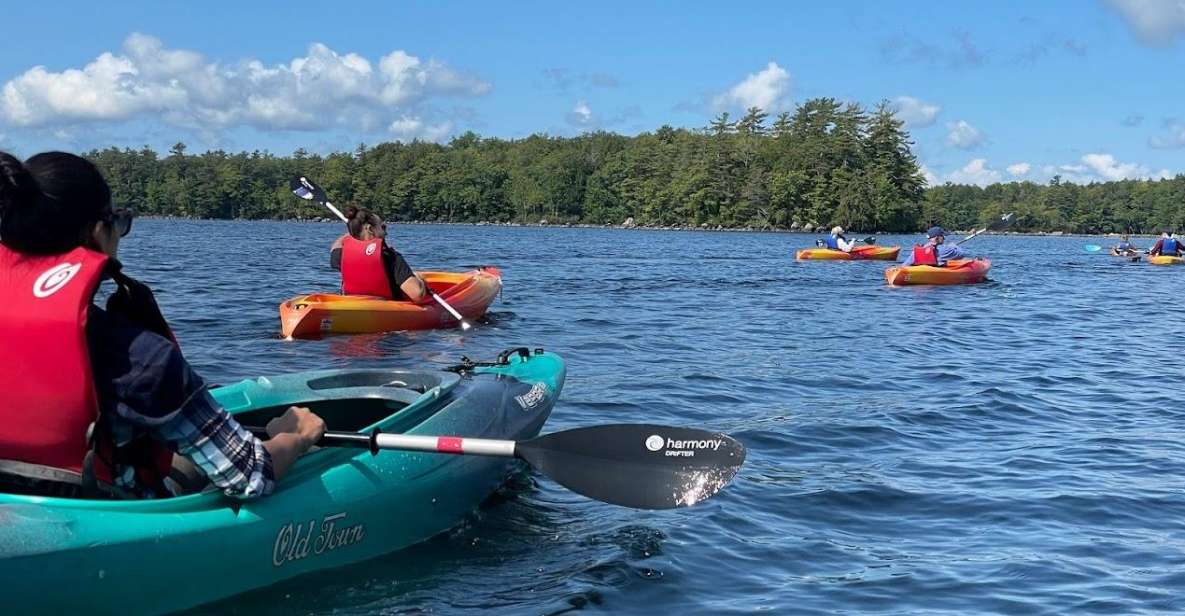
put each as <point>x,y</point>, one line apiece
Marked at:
<point>446,444</point>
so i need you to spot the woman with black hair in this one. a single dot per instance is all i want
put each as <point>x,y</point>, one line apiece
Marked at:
<point>101,403</point>
<point>368,265</point>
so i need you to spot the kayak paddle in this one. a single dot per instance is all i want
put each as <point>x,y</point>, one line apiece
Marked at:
<point>868,240</point>
<point>1003,222</point>
<point>1092,247</point>
<point>642,466</point>
<point>309,191</point>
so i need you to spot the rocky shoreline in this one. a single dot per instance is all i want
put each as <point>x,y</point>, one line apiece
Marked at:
<point>629,225</point>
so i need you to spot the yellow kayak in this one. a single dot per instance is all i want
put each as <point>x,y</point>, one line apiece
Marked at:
<point>957,271</point>
<point>1166,260</point>
<point>859,253</point>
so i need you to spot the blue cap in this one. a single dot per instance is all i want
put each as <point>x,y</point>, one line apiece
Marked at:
<point>935,232</point>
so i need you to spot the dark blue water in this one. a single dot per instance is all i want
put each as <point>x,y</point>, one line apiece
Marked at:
<point>1012,447</point>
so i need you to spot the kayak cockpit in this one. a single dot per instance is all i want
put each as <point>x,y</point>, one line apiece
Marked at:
<point>348,400</point>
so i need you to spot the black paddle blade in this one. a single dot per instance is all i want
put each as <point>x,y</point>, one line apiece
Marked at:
<point>637,465</point>
<point>306,189</point>
<point>1003,222</point>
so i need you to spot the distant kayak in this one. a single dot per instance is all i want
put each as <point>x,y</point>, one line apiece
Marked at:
<point>958,271</point>
<point>471,293</point>
<point>1166,260</point>
<point>859,253</point>
<point>336,506</point>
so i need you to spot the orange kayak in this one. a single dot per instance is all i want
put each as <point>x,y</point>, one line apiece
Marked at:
<point>957,271</point>
<point>471,293</point>
<point>859,253</point>
<point>1166,260</point>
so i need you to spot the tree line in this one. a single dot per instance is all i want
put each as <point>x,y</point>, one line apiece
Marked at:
<point>823,164</point>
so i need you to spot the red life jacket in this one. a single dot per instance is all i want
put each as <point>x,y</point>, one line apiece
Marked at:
<point>925,255</point>
<point>49,408</point>
<point>363,270</point>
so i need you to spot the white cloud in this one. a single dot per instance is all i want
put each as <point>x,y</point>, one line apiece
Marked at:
<point>182,88</point>
<point>1173,137</point>
<point>412,128</point>
<point>975,172</point>
<point>931,177</point>
<point>1107,168</point>
<point>1019,169</point>
<point>1155,22</point>
<point>963,136</point>
<point>766,89</point>
<point>915,113</point>
<point>581,114</point>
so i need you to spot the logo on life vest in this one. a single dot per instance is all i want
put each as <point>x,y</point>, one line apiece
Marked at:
<point>655,442</point>
<point>53,279</point>
<point>370,248</point>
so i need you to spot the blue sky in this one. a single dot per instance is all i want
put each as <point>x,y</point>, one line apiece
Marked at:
<point>1087,89</point>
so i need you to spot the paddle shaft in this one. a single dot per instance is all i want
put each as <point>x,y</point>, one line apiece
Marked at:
<point>380,441</point>
<point>428,289</point>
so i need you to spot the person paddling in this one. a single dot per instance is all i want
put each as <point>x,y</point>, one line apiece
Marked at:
<point>1168,245</point>
<point>100,402</point>
<point>837,241</point>
<point>1125,248</point>
<point>935,251</point>
<point>368,265</point>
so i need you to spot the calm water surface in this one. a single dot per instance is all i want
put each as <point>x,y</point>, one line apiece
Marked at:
<point>1013,447</point>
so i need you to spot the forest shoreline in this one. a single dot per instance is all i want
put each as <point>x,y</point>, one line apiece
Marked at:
<point>636,227</point>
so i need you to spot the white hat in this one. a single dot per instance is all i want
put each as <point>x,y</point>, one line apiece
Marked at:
<point>837,230</point>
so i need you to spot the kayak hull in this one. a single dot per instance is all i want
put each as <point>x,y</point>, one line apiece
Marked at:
<point>336,506</point>
<point>1166,260</point>
<point>859,253</point>
<point>470,293</point>
<point>959,271</point>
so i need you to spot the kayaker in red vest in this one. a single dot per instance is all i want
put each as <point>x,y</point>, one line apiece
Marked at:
<point>935,251</point>
<point>96,402</point>
<point>368,265</point>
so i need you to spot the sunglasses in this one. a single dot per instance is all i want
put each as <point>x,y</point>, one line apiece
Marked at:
<point>120,219</point>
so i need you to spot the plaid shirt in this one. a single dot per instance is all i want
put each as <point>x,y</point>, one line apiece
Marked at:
<point>147,388</point>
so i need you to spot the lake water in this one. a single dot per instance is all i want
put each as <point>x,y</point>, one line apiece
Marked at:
<point>1011,447</point>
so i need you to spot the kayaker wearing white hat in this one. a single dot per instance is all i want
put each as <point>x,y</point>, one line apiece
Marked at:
<point>101,403</point>
<point>935,251</point>
<point>837,241</point>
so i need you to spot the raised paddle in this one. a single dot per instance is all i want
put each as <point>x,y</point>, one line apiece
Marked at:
<point>642,466</point>
<point>1092,247</point>
<point>999,224</point>
<point>309,191</point>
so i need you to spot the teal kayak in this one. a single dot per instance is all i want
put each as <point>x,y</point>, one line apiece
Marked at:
<point>335,507</point>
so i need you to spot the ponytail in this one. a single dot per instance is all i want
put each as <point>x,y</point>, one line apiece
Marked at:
<point>49,203</point>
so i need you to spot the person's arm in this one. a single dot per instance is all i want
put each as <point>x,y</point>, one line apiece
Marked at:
<point>908,259</point>
<point>292,434</point>
<point>146,382</point>
<point>846,245</point>
<point>335,253</point>
<point>951,251</point>
<point>401,275</point>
